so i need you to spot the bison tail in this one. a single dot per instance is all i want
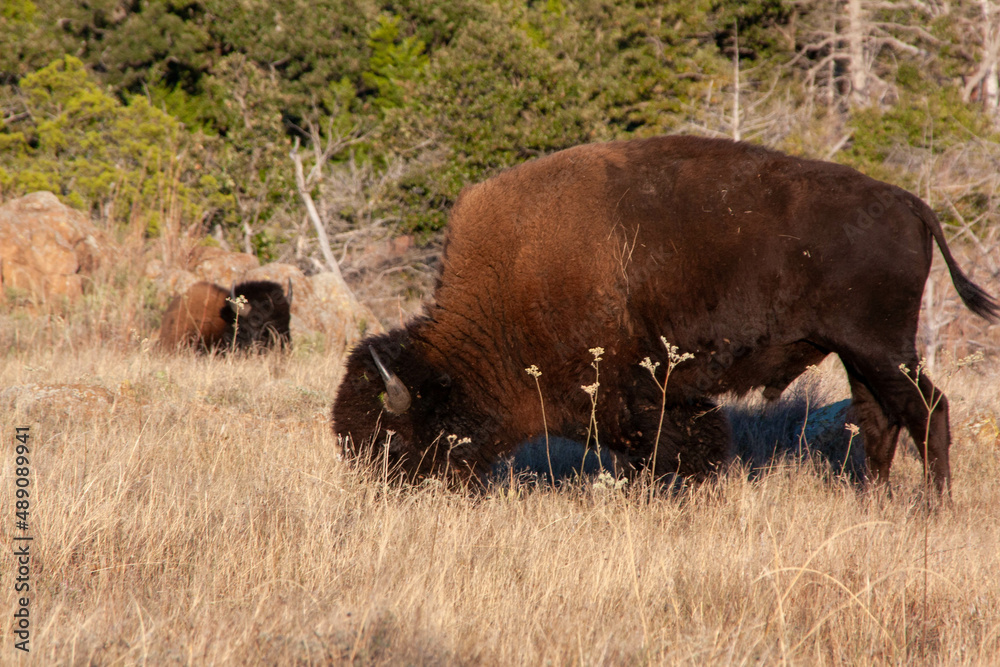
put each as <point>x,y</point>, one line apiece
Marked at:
<point>973,296</point>
<point>976,298</point>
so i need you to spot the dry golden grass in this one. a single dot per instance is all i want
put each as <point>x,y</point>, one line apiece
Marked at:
<point>192,510</point>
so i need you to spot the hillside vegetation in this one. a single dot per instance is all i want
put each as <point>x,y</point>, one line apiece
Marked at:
<point>180,115</point>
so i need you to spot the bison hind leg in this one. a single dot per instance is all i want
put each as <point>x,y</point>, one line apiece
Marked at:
<point>887,397</point>
<point>878,435</point>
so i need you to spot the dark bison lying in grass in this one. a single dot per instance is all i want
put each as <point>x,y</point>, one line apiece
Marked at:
<point>757,263</point>
<point>209,317</point>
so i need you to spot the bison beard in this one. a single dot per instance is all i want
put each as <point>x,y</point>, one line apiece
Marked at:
<point>758,263</point>
<point>208,317</point>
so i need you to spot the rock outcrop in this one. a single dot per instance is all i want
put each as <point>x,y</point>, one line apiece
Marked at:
<point>334,311</point>
<point>47,249</point>
<point>203,263</point>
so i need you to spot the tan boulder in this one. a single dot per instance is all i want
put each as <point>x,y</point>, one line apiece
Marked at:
<point>220,266</point>
<point>335,311</point>
<point>48,248</point>
<point>203,263</point>
<point>169,281</point>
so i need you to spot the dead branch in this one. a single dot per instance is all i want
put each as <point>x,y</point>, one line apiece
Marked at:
<point>302,184</point>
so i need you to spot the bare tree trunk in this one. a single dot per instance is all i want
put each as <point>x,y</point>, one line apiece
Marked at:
<point>303,185</point>
<point>831,86</point>
<point>991,92</point>
<point>359,318</point>
<point>856,33</point>
<point>303,188</point>
<point>736,75</point>
<point>931,325</point>
<point>247,239</point>
<point>987,76</point>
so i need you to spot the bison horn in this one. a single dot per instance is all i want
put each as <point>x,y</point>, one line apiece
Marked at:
<point>289,297</point>
<point>397,396</point>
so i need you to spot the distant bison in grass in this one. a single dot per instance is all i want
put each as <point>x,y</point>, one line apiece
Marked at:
<point>209,317</point>
<point>758,263</point>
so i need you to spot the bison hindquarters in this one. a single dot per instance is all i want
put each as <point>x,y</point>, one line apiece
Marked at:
<point>194,319</point>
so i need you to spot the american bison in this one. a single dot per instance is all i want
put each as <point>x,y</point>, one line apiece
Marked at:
<point>209,317</point>
<point>757,263</point>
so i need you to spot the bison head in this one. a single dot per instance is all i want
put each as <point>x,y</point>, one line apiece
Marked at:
<point>394,408</point>
<point>260,319</point>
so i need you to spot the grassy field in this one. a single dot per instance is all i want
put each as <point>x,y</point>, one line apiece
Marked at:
<point>195,511</point>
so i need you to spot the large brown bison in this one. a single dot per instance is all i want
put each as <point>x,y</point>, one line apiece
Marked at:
<point>209,317</point>
<point>758,263</point>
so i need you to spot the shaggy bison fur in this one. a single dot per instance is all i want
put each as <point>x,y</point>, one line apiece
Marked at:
<point>209,317</point>
<point>757,263</point>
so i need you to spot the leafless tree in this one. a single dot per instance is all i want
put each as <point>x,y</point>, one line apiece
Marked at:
<point>345,207</point>
<point>984,82</point>
<point>322,150</point>
<point>847,39</point>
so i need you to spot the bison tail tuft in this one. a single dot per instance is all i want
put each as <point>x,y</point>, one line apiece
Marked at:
<point>976,298</point>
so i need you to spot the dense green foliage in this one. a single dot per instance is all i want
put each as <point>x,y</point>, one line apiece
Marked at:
<point>102,154</point>
<point>129,107</point>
